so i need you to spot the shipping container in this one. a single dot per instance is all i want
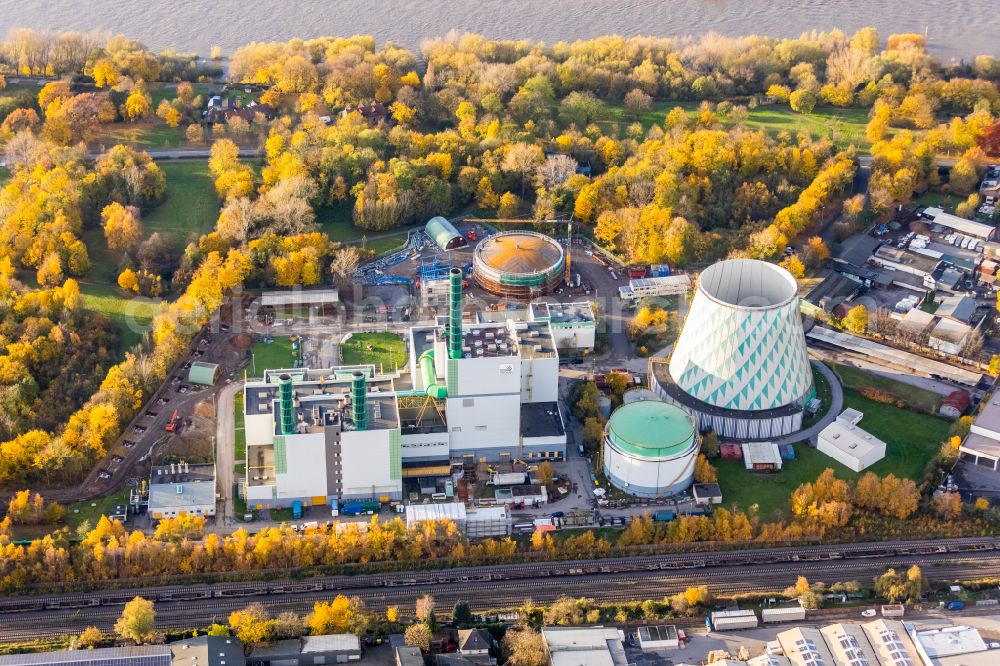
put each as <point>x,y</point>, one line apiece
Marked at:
<point>664,516</point>
<point>296,509</point>
<point>783,614</point>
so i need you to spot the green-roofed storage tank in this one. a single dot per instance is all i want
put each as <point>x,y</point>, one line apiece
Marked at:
<point>650,448</point>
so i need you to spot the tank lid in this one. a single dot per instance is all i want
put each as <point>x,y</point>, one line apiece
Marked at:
<point>651,428</point>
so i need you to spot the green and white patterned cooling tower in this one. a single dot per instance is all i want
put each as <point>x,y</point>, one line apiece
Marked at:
<point>742,345</point>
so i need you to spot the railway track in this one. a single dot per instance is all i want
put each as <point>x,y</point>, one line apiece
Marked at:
<point>498,594</point>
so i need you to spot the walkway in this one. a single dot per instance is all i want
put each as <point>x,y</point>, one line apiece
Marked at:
<point>225,450</point>
<point>834,410</point>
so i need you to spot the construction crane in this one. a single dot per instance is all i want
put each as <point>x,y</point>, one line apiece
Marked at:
<point>569,235</point>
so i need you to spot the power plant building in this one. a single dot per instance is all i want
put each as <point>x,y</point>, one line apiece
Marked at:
<point>485,392</point>
<point>740,365</point>
<point>650,449</point>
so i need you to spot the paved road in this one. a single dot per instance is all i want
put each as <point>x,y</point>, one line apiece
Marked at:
<point>507,586</point>
<point>836,406</point>
<point>225,450</point>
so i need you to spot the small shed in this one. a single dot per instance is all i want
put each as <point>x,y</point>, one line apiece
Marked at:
<point>203,373</point>
<point>730,451</point>
<point>707,493</point>
<point>443,233</point>
<point>955,404</point>
<point>762,456</point>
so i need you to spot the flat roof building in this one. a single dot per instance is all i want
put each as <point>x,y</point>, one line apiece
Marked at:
<point>762,456</point>
<point>960,224</point>
<point>584,646</point>
<point>671,285</point>
<point>182,488</point>
<point>982,444</point>
<point>952,646</point>
<point>138,655</point>
<point>806,646</point>
<point>208,651</point>
<point>658,637</point>
<point>850,445</point>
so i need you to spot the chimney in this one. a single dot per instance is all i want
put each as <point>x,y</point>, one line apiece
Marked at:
<point>359,407</point>
<point>286,404</point>
<point>455,314</point>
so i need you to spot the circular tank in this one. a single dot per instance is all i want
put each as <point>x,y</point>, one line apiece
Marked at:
<point>518,264</point>
<point>649,449</point>
<point>638,395</point>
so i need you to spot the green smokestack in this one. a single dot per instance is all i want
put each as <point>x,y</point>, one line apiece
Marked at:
<point>359,410</point>
<point>455,314</point>
<point>286,404</point>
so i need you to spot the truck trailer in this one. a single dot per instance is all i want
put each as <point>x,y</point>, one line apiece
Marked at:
<point>731,620</point>
<point>783,614</point>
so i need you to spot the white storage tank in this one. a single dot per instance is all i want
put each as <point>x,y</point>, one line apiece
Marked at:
<point>650,449</point>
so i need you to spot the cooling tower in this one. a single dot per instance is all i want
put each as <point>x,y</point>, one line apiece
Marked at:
<point>740,364</point>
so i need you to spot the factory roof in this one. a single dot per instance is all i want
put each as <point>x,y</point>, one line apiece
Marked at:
<point>900,257</point>
<point>890,641</point>
<point>141,655</point>
<point>957,307</point>
<point>534,339</point>
<point>584,646</point>
<point>541,419</point>
<point>179,489</point>
<point>299,297</point>
<point>650,428</point>
<point>487,340</point>
<point>805,646</point>
<point>331,643</point>
<point>208,651</point>
<point>661,632</point>
<point>571,313</point>
<point>521,252</point>
<point>953,646</point>
<point>968,227</point>
<point>449,511</point>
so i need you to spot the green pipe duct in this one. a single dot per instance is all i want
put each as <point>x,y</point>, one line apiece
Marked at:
<point>429,377</point>
<point>455,314</point>
<point>286,404</point>
<point>359,411</point>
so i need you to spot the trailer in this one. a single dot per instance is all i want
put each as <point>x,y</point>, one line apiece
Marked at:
<point>783,614</point>
<point>734,619</point>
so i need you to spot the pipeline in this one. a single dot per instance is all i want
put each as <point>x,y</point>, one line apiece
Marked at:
<point>429,377</point>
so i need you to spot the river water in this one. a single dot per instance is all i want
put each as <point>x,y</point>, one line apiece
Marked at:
<point>956,28</point>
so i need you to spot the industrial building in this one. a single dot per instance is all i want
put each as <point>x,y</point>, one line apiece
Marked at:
<point>182,488</point>
<point>520,265</point>
<point>474,392</point>
<point>959,224</point>
<point>734,619</point>
<point>573,325</point>
<point>952,646</point>
<point>307,650</point>
<point>847,443</point>
<point>671,285</point>
<point>291,301</point>
<point>982,444</point>
<point>660,637</point>
<point>650,449</point>
<point>584,646</point>
<point>740,365</point>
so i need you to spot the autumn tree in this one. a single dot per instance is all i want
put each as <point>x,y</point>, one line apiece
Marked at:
<point>462,613</point>
<point>345,262</point>
<point>252,625</point>
<point>424,609</point>
<point>122,227</point>
<point>638,101</point>
<point>138,104</point>
<point>704,472</point>
<point>89,638</point>
<point>525,647</point>
<point>137,622</point>
<point>856,319</point>
<point>419,635</point>
<point>340,616</point>
<point>948,505</point>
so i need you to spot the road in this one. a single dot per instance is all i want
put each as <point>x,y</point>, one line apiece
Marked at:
<point>225,450</point>
<point>836,407</point>
<point>507,586</point>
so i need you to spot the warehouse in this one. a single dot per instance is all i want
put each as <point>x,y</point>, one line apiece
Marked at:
<point>959,224</point>
<point>290,301</point>
<point>584,646</point>
<point>982,444</point>
<point>672,285</point>
<point>786,613</point>
<point>733,619</point>
<point>850,445</point>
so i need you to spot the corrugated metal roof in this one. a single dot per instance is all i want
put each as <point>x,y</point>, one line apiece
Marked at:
<point>141,655</point>
<point>331,643</point>
<point>203,373</point>
<point>441,231</point>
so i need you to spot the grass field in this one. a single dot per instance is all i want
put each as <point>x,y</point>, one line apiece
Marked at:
<point>921,399</point>
<point>337,224</point>
<point>239,426</point>
<point>845,126</point>
<point>191,207</point>
<point>133,316</point>
<point>145,134</point>
<point>273,356</point>
<point>911,440</point>
<point>4,174</point>
<point>825,395</point>
<point>92,510</point>
<point>385,350</point>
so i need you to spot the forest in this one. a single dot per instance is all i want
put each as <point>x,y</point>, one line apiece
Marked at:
<point>648,142</point>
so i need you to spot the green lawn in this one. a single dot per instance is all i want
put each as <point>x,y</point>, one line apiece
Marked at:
<point>939,199</point>
<point>386,350</point>
<point>92,510</point>
<point>191,207</point>
<point>276,355</point>
<point>133,316</point>
<point>336,222</point>
<point>4,174</point>
<point>911,440</point>
<point>846,126</point>
<point>921,399</point>
<point>144,134</point>
<point>825,395</point>
<point>240,427</point>
<point>163,91</point>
